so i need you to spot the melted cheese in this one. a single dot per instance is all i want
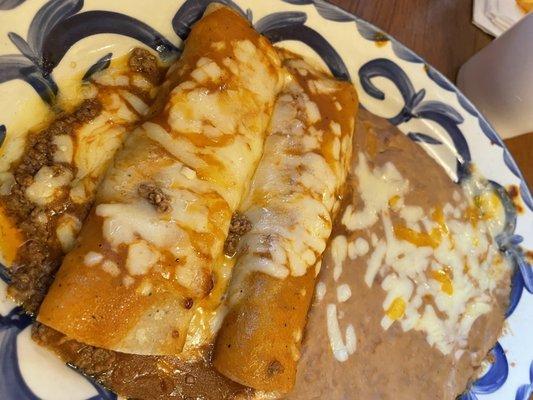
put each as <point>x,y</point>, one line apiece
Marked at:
<point>96,144</point>
<point>376,188</point>
<point>343,293</point>
<point>450,257</point>
<point>357,248</point>
<point>320,291</point>
<point>67,230</point>
<point>92,258</point>
<point>339,251</point>
<point>138,105</point>
<point>294,189</point>
<point>141,257</point>
<point>340,349</point>
<point>111,268</point>
<point>207,142</point>
<point>64,149</point>
<point>46,185</point>
<point>123,223</point>
<point>210,312</point>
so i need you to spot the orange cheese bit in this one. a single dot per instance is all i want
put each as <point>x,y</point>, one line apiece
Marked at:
<point>472,215</point>
<point>444,276</point>
<point>10,239</point>
<point>526,5</point>
<point>488,204</point>
<point>438,217</point>
<point>394,200</point>
<point>419,239</point>
<point>397,309</point>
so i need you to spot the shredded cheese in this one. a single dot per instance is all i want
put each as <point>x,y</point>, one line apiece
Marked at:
<point>449,255</point>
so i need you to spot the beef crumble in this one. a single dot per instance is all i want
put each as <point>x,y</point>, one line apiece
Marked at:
<point>145,63</point>
<point>155,196</point>
<point>238,227</point>
<point>39,256</point>
<point>143,377</point>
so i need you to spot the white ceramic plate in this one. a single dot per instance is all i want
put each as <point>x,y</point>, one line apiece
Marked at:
<point>46,44</point>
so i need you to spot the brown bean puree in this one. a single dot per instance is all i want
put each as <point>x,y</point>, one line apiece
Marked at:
<point>387,364</point>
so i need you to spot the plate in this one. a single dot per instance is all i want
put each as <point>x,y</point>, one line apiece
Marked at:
<point>75,38</point>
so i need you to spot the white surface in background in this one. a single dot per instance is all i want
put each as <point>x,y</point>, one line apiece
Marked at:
<point>498,80</point>
<point>496,16</point>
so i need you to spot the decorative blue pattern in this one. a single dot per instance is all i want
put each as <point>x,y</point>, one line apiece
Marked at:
<point>493,379</point>
<point>60,23</point>
<point>55,28</point>
<point>192,10</point>
<point>10,4</point>
<point>330,13</point>
<point>525,392</point>
<point>12,384</point>
<point>423,138</point>
<point>414,106</point>
<point>2,134</point>
<point>291,26</point>
<point>100,65</point>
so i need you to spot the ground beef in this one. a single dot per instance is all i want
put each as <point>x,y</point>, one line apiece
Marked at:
<point>239,226</point>
<point>145,63</point>
<point>155,195</point>
<point>141,376</point>
<point>87,111</point>
<point>275,367</point>
<point>40,255</point>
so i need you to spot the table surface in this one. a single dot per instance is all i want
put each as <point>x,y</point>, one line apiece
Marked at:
<point>440,31</point>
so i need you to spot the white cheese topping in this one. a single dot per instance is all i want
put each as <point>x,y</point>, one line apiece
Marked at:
<point>339,251</point>
<point>340,350</point>
<point>201,159</point>
<point>46,183</point>
<point>320,291</point>
<point>141,257</point>
<point>64,148</point>
<point>343,292</point>
<point>443,256</point>
<point>92,258</point>
<point>124,222</point>
<point>376,188</point>
<point>357,248</point>
<point>138,105</point>
<point>67,230</point>
<point>128,281</point>
<point>111,268</point>
<point>351,340</point>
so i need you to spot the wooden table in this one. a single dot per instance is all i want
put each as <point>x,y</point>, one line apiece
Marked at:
<point>440,31</point>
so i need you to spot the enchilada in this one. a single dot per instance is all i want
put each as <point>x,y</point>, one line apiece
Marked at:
<point>147,250</point>
<point>293,198</point>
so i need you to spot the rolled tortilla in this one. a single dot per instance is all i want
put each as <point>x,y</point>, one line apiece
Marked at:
<point>146,253</point>
<point>291,204</point>
<point>48,177</point>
